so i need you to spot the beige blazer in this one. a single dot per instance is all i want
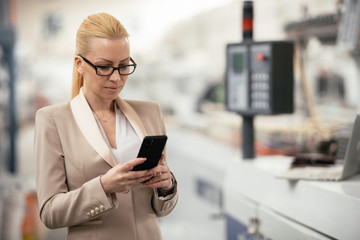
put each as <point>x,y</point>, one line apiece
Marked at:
<point>71,154</point>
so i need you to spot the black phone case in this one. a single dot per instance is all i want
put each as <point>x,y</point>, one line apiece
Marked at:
<point>151,148</point>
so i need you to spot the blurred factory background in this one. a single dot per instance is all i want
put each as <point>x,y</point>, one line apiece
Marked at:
<point>179,47</point>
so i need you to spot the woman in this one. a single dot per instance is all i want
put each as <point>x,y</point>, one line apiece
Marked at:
<point>85,149</point>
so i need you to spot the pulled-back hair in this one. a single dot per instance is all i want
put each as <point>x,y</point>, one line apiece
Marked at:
<point>101,25</point>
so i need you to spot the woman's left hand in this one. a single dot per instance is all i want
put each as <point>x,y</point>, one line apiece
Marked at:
<point>161,176</point>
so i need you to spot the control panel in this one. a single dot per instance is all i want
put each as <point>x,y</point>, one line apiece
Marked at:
<point>259,78</point>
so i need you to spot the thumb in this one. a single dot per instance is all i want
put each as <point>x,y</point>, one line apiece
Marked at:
<point>162,160</point>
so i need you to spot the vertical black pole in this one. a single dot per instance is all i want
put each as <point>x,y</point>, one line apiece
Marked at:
<point>8,48</point>
<point>248,137</point>
<point>13,122</point>
<point>248,121</point>
<point>247,21</point>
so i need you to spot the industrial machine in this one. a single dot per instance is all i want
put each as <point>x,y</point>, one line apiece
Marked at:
<point>259,79</point>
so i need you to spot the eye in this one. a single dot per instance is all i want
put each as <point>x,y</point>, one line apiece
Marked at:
<point>104,67</point>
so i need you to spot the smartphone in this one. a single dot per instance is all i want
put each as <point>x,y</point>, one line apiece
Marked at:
<point>151,149</point>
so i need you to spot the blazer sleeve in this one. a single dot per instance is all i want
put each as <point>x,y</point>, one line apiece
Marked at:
<point>164,205</point>
<point>60,207</point>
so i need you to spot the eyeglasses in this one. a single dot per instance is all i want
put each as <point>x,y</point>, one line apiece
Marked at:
<point>109,70</point>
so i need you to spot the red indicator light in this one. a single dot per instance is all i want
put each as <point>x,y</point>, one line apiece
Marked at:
<point>247,24</point>
<point>260,57</point>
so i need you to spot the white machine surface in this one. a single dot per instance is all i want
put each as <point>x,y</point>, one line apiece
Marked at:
<point>277,208</point>
<point>348,168</point>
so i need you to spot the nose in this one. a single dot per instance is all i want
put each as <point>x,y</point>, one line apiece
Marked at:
<point>115,76</point>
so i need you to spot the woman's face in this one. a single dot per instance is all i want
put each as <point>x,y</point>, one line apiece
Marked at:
<point>104,52</point>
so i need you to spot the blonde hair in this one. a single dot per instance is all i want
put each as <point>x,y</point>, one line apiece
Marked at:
<point>101,25</point>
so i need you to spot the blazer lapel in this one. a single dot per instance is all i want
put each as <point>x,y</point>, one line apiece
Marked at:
<point>132,117</point>
<point>85,120</point>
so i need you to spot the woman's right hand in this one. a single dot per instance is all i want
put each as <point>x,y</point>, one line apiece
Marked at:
<point>120,178</point>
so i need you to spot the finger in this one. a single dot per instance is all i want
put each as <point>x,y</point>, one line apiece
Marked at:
<point>159,177</point>
<point>160,165</point>
<point>139,174</point>
<point>162,160</point>
<point>134,175</point>
<point>143,179</point>
<point>160,184</point>
<point>160,169</point>
<point>132,163</point>
<point>137,180</point>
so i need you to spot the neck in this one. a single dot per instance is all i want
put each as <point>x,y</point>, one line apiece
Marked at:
<point>103,108</point>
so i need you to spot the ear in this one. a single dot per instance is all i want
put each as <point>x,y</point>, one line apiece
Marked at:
<point>79,64</point>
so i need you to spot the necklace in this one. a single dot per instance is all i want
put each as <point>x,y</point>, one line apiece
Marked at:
<point>113,113</point>
<point>107,120</point>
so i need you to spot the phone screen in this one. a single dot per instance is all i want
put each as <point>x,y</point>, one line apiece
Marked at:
<point>151,148</point>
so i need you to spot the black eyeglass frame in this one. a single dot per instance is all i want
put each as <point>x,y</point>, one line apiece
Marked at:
<point>114,68</point>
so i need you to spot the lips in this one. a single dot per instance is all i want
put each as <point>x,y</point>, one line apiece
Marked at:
<point>113,88</point>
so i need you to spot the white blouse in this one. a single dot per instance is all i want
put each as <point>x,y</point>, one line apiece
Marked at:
<point>127,141</point>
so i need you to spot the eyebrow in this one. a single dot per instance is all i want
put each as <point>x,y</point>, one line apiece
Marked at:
<point>111,61</point>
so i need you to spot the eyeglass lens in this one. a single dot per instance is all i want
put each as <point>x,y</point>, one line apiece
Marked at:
<point>124,70</point>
